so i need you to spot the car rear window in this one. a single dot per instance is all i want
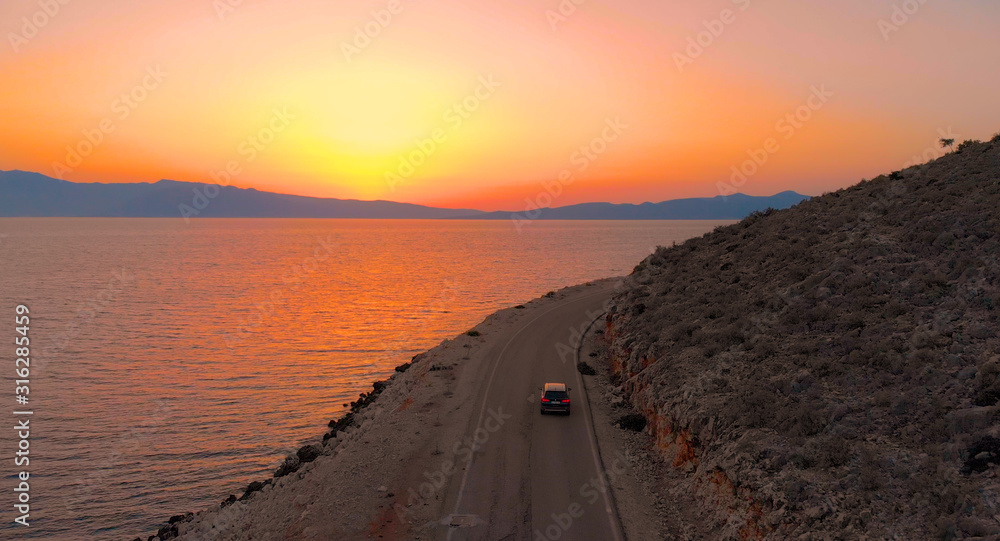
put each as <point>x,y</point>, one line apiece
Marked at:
<point>556,395</point>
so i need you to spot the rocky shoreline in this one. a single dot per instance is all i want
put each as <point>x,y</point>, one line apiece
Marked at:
<point>171,529</point>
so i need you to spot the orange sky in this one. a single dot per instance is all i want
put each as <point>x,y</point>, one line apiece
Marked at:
<point>288,94</point>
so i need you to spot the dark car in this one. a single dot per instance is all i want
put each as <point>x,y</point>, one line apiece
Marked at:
<point>555,398</point>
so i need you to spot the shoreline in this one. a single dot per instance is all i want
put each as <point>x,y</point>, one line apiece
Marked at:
<point>409,396</point>
<point>293,462</point>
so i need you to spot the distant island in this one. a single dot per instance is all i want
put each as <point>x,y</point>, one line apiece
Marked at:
<point>26,194</point>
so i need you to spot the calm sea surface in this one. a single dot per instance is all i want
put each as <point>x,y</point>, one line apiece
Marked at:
<point>174,363</point>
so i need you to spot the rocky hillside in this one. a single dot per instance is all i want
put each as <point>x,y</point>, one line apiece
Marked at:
<point>831,371</point>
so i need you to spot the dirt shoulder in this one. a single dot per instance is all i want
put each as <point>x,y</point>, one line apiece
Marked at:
<point>648,494</point>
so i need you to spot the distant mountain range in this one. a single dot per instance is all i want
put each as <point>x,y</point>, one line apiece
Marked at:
<point>731,207</point>
<point>32,194</point>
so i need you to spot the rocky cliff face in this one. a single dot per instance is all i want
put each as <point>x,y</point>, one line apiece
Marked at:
<point>831,371</point>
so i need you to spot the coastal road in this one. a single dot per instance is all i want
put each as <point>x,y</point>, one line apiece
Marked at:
<point>536,477</point>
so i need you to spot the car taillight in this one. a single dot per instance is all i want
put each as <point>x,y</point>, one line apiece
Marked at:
<point>565,401</point>
<point>546,400</point>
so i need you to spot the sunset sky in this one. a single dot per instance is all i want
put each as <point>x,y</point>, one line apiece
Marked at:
<point>298,98</point>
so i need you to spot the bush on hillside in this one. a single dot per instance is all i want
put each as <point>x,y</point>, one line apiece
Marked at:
<point>633,421</point>
<point>967,144</point>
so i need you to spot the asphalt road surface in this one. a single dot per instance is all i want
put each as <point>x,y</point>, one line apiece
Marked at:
<point>535,476</point>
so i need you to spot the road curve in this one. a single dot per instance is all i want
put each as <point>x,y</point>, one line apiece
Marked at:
<point>536,477</point>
